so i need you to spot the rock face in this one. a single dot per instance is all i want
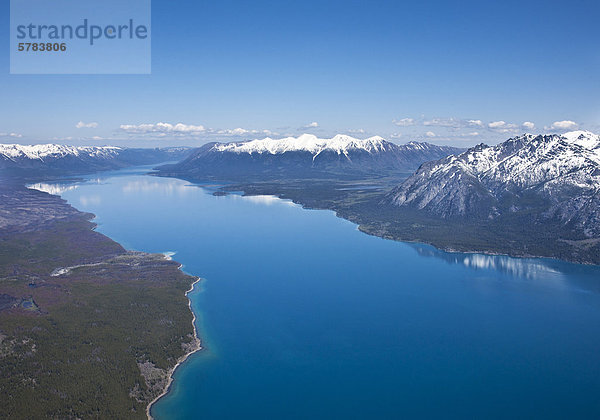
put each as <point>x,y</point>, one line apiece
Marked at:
<point>305,157</point>
<point>549,177</point>
<point>56,160</point>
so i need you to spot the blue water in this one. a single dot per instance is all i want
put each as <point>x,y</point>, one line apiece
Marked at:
<point>302,316</point>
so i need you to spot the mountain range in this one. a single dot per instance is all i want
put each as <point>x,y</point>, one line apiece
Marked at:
<point>58,160</point>
<point>306,156</point>
<point>548,181</point>
<point>533,195</point>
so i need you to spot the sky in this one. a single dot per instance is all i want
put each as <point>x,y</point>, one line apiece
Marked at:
<point>447,72</point>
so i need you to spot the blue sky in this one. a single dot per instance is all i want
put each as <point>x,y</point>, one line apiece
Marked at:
<point>449,72</point>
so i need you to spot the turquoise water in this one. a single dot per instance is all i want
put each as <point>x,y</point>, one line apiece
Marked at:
<point>302,316</point>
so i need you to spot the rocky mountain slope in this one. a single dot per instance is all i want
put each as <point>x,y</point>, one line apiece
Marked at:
<point>306,156</point>
<point>546,179</point>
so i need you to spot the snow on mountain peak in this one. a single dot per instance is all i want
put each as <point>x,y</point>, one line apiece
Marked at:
<point>583,138</point>
<point>43,151</point>
<point>376,138</point>
<point>340,144</point>
<point>543,162</point>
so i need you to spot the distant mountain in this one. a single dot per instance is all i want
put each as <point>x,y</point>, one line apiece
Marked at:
<point>549,180</point>
<point>57,160</point>
<point>306,157</point>
<point>144,156</point>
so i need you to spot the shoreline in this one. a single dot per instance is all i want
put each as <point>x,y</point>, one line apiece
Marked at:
<point>197,347</point>
<point>232,188</point>
<point>448,249</point>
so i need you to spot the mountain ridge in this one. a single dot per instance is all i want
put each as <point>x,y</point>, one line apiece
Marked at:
<point>41,151</point>
<point>306,156</point>
<point>32,161</point>
<point>552,178</point>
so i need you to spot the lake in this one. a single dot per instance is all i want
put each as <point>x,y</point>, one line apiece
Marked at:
<point>302,316</point>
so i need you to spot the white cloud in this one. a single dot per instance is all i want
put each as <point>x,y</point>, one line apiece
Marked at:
<point>396,135</point>
<point>234,131</point>
<point>163,129</point>
<point>450,123</point>
<point>443,122</point>
<point>81,124</point>
<point>475,123</point>
<point>356,131</point>
<point>528,125</point>
<point>13,135</point>
<point>308,126</point>
<point>404,122</point>
<point>166,130</point>
<point>461,127</point>
<point>564,125</point>
<point>497,124</point>
<point>239,132</point>
<point>502,127</point>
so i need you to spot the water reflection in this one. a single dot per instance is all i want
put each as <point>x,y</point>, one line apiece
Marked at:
<point>54,189</point>
<point>551,272</point>
<point>522,268</point>
<point>90,200</point>
<point>548,272</point>
<point>265,200</point>
<point>153,186</point>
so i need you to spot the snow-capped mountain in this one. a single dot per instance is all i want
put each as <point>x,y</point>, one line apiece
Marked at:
<point>307,156</point>
<point>42,152</point>
<point>340,144</point>
<point>55,159</point>
<point>546,177</point>
<point>584,138</point>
